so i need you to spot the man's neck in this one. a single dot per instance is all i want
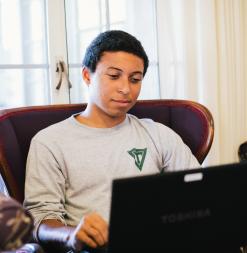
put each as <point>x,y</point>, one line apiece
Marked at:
<point>93,119</point>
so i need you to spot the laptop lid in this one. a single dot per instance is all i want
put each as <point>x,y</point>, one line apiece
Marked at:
<point>200,210</point>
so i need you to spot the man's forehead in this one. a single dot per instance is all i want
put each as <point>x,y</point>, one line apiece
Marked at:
<point>121,60</point>
<point>119,54</point>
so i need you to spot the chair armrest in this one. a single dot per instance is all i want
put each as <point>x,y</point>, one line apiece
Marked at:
<point>30,248</point>
<point>27,248</point>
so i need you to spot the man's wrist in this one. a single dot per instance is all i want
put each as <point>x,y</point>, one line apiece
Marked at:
<point>73,243</point>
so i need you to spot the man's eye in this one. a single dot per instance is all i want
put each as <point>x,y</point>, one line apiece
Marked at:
<point>135,80</point>
<point>114,77</point>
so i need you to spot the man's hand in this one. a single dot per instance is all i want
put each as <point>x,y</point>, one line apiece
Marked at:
<point>92,231</point>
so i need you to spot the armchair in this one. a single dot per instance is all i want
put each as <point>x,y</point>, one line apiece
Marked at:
<point>191,120</point>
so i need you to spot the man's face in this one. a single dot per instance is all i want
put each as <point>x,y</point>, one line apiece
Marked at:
<point>115,85</point>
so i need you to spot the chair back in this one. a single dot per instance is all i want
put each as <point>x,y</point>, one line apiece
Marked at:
<point>191,120</point>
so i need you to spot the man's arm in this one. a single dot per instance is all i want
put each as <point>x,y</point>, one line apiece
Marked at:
<point>91,232</point>
<point>176,155</point>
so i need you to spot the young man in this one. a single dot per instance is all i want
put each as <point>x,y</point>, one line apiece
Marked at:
<point>71,164</point>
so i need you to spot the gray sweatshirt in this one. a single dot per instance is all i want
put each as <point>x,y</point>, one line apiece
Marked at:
<point>71,166</point>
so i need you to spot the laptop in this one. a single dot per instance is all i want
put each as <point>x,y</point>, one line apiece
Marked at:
<point>199,210</point>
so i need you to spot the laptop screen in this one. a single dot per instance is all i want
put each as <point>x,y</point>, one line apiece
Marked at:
<point>200,210</point>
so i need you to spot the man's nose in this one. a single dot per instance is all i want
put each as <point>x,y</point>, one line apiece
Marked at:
<point>124,86</point>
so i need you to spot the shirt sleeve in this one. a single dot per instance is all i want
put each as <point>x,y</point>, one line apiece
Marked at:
<point>176,155</point>
<point>44,185</point>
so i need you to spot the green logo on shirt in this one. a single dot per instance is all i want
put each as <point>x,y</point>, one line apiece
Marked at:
<point>139,156</point>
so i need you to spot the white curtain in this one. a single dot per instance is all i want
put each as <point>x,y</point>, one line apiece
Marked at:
<point>203,57</point>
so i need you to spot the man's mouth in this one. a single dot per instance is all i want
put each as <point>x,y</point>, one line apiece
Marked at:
<point>123,102</point>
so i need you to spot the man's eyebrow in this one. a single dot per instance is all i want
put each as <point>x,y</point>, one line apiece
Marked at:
<point>137,72</point>
<point>115,68</point>
<point>132,73</point>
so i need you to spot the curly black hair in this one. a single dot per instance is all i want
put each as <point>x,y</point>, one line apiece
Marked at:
<point>113,41</point>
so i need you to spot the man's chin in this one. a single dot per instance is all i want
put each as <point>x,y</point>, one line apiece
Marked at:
<point>118,113</point>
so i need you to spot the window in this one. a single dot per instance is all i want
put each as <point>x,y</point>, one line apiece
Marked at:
<point>36,34</point>
<point>23,49</point>
<point>85,21</point>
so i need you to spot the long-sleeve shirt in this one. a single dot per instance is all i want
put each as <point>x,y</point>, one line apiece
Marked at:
<point>71,166</point>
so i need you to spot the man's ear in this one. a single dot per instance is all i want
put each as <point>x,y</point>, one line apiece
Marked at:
<point>86,75</point>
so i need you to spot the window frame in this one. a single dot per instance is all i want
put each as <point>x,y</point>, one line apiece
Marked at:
<point>55,22</point>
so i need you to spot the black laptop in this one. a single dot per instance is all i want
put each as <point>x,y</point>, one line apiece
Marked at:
<point>200,210</point>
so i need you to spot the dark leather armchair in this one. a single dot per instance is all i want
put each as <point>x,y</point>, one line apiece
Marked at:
<point>242,152</point>
<point>192,121</point>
